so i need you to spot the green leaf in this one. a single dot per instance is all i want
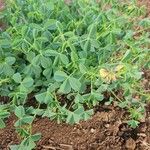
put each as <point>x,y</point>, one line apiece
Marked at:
<point>126,56</point>
<point>45,62</point>
<point>72,118</point>
<point>2,124</point>
<point>17,77</point>
<point>87,46</point>
<point>50,24</point>
<point>4,114</point>
<point>7,69</point>
<point>27,82</point>
<point>64,59</point>
<point>14,147</point>
<point>87,114</point>
<point>83,68</point>
<point>51,53</point>
<point>36,137</point>
<point>79,111</point>
<point>30,56</point>
<point>74,56</point>
<point>5,43</point>
<point>92,31</point>
<point>133,123</point>
<point>18,123</point>
<point>79,99</point>
<point>44,98</point>
<point>65,87</point>
<point>75,83</point>
<point>60,76</point>
<point>28,119</point>
<point>98,96</point>
<point>27,144</point>
<point>47,72</point>
<point>19,111</point>
<point>10,60</point>
<point>48,113</point>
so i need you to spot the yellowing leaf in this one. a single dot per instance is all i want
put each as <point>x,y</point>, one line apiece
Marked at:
<point>119,68</point>
<point>103,73</point>
<point>107,75</point>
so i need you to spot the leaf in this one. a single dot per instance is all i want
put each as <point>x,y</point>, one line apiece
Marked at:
<point>107,75</point>
<point>17,77</point>
<point>36,137</point>
<point>48,113</point>
<point>5,43</point>
<point>87,114</point>
<point>47,72</point>
<point>133,123</point>
<point>10,60</point>
<point>27,82</point>
<point>98,96</point>
<point>119,68</point>
<point>27,144</point>
<point>14,147</point>
<point>126,56</point>
<point>60,76</point>
<point>53,87</point>
<point>2,124</point>
<point>19,111</point>
<point>79,99</point>
<point>44,97</point>
<point>72,118</point>
<point>45,62</point>
<point>30,55</point>
<point>92,31</point>
<point>50,24</point>
<point>87,46</point>
<point>4,114</point>
<point>74,56</point>
<point>18,123</point>
<point>75,83</point>
<point>7,69</point>
<point>83,68</point>
<point>51,53</point>
<point>103,73</point>
<point>28,119</point>
<point>79,111</point>
<point>64,59</point>
<point>65,87</point>
<point>137,75</point>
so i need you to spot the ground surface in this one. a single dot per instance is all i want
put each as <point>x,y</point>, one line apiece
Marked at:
<point>106,130</point>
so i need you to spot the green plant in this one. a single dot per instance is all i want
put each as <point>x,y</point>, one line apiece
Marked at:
<point>50,49</point>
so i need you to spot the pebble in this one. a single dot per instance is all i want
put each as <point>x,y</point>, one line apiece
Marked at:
<point>93,130</point>
<point>107,125</point>
<point>130,144</point>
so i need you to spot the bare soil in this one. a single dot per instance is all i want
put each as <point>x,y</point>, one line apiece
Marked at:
<point>106,130</point>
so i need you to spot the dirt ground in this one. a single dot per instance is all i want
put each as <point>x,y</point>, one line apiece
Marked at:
<point>106,130</point>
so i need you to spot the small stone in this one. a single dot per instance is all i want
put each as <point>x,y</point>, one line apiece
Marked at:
<point>130,144</point>
<point>92,130</point>
<point>141,134</point>
<point>107,125</point>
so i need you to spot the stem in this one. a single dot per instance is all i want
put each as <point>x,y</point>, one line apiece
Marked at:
<point>30,126</point>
